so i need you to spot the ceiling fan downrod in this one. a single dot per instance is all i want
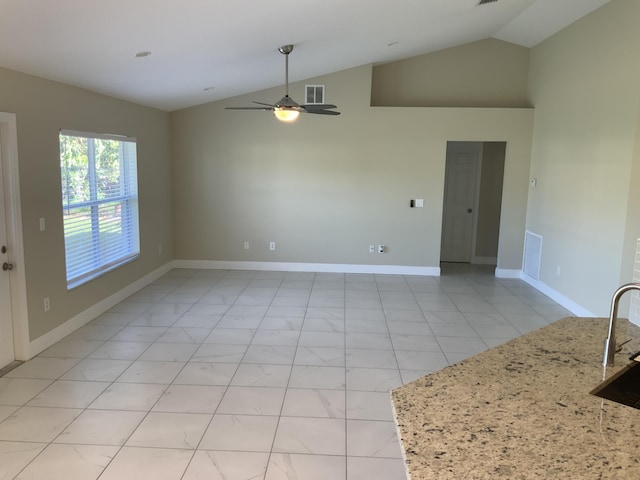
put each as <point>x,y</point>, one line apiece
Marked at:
<point>286,50</point>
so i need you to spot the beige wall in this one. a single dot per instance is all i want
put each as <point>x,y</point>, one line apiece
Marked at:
<point>42,108</point>
<point>325,188</point>
<point>584,84</point>
<point>487,73</point>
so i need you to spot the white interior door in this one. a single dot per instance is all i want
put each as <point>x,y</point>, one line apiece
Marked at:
<point>7,354</point>
<point>458,216</point>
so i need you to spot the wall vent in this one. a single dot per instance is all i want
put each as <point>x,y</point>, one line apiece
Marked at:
<point>532,255</point>
<point>314,94</point>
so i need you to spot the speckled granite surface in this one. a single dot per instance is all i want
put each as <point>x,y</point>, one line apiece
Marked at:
<point>523,410</point>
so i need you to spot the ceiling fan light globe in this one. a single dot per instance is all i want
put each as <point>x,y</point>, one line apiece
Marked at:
<point>286,115</point>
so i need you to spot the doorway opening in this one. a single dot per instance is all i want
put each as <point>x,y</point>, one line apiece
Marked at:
<point>472,203</point>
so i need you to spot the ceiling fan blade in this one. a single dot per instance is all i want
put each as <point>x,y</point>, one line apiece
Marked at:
<point>260,103</point>
<point>318,106</point>
<point>266,109</point>
<point>323,112</point>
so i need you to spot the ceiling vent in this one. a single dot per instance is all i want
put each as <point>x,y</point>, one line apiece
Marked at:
<point>483,2</point>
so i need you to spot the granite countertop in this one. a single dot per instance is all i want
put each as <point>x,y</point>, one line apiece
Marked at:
<point>523,410</point>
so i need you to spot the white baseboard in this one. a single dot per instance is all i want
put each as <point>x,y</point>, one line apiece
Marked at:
<point>557,297</point>
<point>45,341</point>
<point>309,267</point>
<point>507,273</point>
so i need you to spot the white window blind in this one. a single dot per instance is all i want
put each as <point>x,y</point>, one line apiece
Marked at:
<point>99,203</point>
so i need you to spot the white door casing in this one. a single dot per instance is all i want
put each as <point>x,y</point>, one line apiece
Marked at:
<point>460,201</point>
<point>6,315</point>
<point>14,333</point>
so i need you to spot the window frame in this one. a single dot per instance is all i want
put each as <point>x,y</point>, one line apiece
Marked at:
<point>127,200</point>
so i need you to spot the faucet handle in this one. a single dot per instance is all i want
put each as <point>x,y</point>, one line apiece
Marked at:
<point>622,344</point>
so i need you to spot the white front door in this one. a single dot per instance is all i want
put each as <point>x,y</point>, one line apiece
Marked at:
<point>6,321</point>
<point>461,179</point>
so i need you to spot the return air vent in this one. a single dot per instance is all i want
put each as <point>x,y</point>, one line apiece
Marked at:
<point>314,94</point>
<point>532,255</point>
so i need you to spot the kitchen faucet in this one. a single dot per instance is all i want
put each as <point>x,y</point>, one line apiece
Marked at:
<point>610,342</point>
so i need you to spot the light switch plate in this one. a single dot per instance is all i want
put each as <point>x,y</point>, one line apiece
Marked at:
<point>419,202</point>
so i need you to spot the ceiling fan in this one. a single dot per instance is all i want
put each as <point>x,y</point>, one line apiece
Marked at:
<point>286,109</point>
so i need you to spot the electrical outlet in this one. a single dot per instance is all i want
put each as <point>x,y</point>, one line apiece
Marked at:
<point>246,245</point>
<point>272,246</point>
<point>381,248</point>
<point>47,304</point>
<point>372,248</point>
<point>42,224</point>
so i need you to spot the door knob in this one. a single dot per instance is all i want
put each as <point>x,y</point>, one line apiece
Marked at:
<point>469,210</point>
<point>7,266</point>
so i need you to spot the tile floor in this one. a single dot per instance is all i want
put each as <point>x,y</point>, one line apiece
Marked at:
<point>250,375</point>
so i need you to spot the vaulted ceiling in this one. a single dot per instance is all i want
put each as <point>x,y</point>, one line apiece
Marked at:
<point>172,54</point>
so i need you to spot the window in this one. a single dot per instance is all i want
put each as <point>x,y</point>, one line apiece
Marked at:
<point>99,203</point>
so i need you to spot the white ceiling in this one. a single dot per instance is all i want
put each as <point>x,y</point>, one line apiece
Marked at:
<point>231,45</point>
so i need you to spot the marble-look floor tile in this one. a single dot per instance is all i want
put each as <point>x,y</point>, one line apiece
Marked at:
<point>233,336</point>
<point>320,356</point>
<point>206,373</point>
<point>315,436</point>
<point>248,433</point>
<point>322,339</point>
<point>215,352</point>
<point>273,354</point>
<point>276,337</point>
<point>216,465</point>
<point>119,350</point>
<point>366,438</point>
<point>141,334</point>
<point>369,406</point>
<point>170,430</point>
<point>71,462</point>
<point>185,335</point>
<point>305,376</point>
<point>14,456</point>
<point>142,371</point>
<point>68,393</point>
<point>137,463</point>
<point>6,410</point>
<point>252,401</point>
<point>470,345</point>
<point>261,375</point>
<point>18,391</point>
<point>169,352</point>
<point>101,427</point>
<point>367,468</point>
<point>285,466</point>
<point>373,379</point>
<point>190,399</point>
<point>314,403</point>
<point>247,350</point>
<point>129,396</point>
<point>97,370</point>
<point>72,348</point>
<point>42,367</point>
<point>416,360</point>
<point>36,424</point>
<point>371,358</point>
